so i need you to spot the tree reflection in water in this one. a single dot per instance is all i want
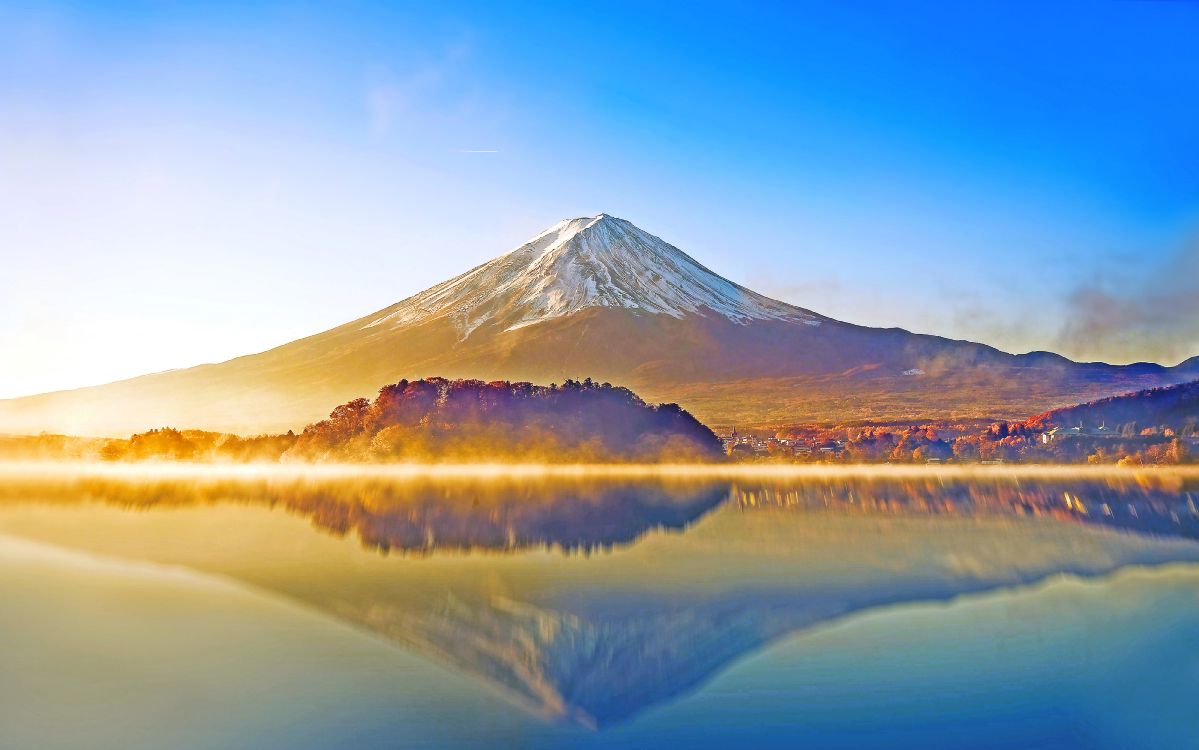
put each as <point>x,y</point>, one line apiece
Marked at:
<point>418,516</point>
<point>421,515</point>
<point>688,582</point>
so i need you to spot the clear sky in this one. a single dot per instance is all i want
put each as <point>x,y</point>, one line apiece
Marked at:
<point>186,182</point>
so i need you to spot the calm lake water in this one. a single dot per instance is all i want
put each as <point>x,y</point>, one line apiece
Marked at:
<point>460,612</point>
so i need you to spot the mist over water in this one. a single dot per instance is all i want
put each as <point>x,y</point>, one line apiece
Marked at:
<point>614,603</point>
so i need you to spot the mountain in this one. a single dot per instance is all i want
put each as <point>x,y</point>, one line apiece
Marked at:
<point>598,297</point>
<point>1175,407</point>
<point>584,263</point>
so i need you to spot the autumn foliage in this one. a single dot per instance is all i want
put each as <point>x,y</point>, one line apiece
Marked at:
<point>1174,408</point>
<point>459,420</point>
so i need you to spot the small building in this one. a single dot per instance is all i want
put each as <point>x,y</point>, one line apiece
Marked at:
<point>741,449</point>
<point>1057,433</point>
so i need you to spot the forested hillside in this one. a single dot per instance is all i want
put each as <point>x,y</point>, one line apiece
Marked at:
<point>1174,407</point>
<point>440,419</point>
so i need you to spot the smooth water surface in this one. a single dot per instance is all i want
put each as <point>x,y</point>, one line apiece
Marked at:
<point>923,613</point>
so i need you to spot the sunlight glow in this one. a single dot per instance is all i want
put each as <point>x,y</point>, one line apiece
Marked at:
<point>502,471</point>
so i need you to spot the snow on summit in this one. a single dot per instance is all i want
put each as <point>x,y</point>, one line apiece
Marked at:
<point>597,261</point>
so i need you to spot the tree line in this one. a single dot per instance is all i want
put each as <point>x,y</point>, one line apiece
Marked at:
<point>432,419</point>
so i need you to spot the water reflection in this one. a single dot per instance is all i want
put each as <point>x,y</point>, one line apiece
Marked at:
<point>418,516</point>
<point>687,583</point>
<point>1165,504</point>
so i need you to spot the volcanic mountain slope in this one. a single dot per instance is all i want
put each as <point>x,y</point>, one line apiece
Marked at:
<point>598,297</point>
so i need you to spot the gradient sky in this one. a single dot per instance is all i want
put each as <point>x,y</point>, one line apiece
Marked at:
<point>182,184</point>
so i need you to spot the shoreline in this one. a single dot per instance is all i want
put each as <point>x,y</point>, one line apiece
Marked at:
<point>483,470</point>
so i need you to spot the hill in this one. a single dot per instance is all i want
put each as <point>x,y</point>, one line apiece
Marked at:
<point>600,296</point>
<point>1173,407</point>
<point>468,420</point>
<point>1151,426</point>
<point>431,420</point>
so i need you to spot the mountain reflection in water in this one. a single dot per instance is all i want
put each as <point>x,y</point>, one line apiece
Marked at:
<point>687,583</point>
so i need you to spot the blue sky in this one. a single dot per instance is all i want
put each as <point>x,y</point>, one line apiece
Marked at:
<point>181,184</point>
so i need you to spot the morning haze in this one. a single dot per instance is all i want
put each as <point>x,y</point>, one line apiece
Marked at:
<point>462,375</point>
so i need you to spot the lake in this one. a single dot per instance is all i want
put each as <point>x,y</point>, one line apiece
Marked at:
<point>209,608</point>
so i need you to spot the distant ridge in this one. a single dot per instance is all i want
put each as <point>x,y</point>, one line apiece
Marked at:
<point>1175,406</point>
<point>599,297</point>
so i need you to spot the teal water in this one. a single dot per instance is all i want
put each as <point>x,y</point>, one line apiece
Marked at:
<point>682,616</point>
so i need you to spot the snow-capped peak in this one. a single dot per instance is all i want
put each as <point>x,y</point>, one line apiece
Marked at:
<point>593,261</point>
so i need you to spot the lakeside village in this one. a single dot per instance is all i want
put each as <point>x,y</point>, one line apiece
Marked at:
<point>748,445</point>
<point>983,443</point>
